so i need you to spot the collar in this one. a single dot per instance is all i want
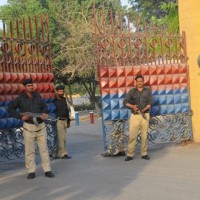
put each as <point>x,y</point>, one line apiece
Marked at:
<point>26,96</point>
<point>144,88</point>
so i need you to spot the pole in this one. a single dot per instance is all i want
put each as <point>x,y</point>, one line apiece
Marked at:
<point>91,117</point>
<point>77,118</point>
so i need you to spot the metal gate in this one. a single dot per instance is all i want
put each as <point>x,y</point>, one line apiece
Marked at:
<point>125,49</point>
<point>24,53</point>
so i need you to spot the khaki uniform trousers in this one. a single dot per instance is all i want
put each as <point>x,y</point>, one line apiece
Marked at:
<point>137,122</point>
<point>31,135</point>
<point>61,133</point>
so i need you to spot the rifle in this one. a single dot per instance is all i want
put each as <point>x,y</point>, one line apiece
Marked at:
<point>35,115</point>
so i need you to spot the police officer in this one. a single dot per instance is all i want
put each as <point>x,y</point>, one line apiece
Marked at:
<point>34,129</point>
<point>63,122</point>
<point>139,100</point>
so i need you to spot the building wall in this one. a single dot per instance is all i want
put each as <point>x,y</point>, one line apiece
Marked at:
<point>189,17</point>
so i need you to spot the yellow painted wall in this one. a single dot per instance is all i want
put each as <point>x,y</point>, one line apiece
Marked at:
<point>189,17</point>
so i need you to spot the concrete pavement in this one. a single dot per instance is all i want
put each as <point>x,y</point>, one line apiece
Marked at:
<point>171,174</point>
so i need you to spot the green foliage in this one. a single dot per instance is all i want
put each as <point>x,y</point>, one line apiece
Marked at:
<point>171,18</point>
<point>157,11</point>
<point>149,8</point>
<point>83,107</point>
<point>17,9</point>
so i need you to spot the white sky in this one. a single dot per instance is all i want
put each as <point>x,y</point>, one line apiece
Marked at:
<point>124,2</point>
<point>2,2</point>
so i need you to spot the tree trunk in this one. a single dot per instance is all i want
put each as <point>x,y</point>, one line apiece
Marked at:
<point>97,108</point>
<point>91,91</point>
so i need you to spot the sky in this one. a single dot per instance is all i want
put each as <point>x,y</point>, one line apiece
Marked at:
<point>2,2</point>
<point>124,2</point>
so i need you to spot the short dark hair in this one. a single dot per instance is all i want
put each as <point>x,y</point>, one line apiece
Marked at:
<point>60,87</point>
<point>27,81</point>
<point>139,76</point>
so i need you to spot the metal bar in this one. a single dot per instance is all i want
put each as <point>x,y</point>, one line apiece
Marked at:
<point>121,39</point>
<point>18,49</point>
<point>25,67</point>
<point>31,68</point>
<point>146,43</point>
<point>11,62</point>
<point>3,47</point>
<point>184,47</point>
<point>103,22</point>
<point>43,44</point>
<point>130,43</point>
<point>161,44</point>
<point>137,37</point>
<point>113,37</point>
<point>37,45</point>
<point>49,46</point>
<point>96,36</point>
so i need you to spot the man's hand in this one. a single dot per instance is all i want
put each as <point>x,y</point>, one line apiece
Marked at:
<point>135,108</point>
<point>44,116</point>
<point>25,117</point>
<point>68,124</point>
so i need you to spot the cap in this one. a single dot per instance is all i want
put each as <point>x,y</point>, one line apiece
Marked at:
<point>139,76</point>
<point>27,81</point>
<point>60,87</point>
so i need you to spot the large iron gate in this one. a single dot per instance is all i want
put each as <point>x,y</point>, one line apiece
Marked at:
<point>24,53</point>
<point>125,49</point>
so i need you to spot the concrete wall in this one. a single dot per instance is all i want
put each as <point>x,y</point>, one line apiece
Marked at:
<point>189,17</point>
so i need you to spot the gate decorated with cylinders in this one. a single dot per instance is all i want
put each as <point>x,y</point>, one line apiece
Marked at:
<point>124,50</point>
<point>24,53</point>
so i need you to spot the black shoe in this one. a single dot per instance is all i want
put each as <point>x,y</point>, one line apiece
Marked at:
<point>56,157</point>
<point>66,157</point>
<point>146,157</point>
<point>122,153</point>
<point>105,155</point>
<point>31,176</point>
<point>49,174</point>
<point>128,158</point>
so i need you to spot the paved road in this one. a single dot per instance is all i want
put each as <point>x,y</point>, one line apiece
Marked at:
<point>171,174</point>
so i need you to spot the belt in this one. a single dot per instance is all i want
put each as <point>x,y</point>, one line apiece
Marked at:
<point>62,118</point>
<point>33,131</point>
<point>30,122</point>
<point>139,113</point>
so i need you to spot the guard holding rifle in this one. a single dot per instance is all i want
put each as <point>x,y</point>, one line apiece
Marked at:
<point>139,100</point>
<point>63,122</point>
<point>34,129</point>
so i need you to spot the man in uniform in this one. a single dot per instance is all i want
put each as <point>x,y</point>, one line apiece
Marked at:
<point>34,129</point>
<point>139,100</point>
<point>63,122</point>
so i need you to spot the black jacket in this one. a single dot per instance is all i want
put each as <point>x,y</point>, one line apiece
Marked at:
<point>62,108</point>
<point>24,103</point>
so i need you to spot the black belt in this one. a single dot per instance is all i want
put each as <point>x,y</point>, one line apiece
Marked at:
<point>62,118</point>
<point>30,122</point>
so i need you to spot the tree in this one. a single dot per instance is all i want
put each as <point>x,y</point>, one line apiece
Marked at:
<point>71,34</point>
<point>17,9</point>
<point>76,56</point>
<point>149,8</point>
<point>159,12</point>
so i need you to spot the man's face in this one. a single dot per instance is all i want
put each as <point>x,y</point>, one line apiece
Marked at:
<point>140,82</point>
<point>60,93</point>
<point>29,88</point>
